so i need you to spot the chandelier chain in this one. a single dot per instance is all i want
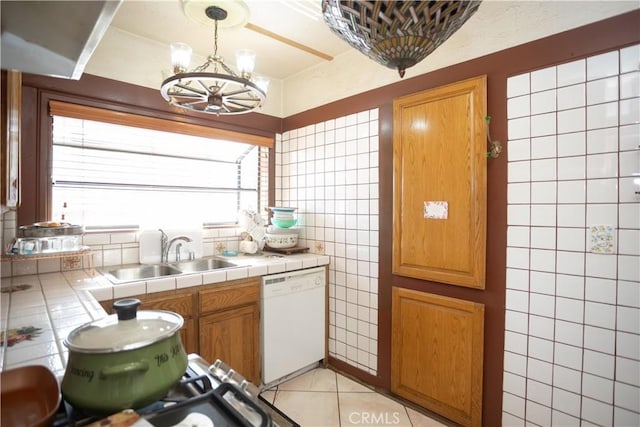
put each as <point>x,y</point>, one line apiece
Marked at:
<point>215,59</point>
<point>215,46</point>
<point>215,39</point>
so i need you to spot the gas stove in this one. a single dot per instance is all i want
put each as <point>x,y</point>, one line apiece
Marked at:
<point>206,396</point>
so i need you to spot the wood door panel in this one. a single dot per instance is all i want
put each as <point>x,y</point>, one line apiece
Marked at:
<point>234,294</point>
<point>171,301</point>
<point>189,336</point>
<point>232,336</point>
<point>440,156</point>
<point>180,302</point>
<point>437,353</point>
<point>428,168</point>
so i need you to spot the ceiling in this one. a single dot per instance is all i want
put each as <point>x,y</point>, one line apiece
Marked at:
<point>297,22</point>
<point>306,63</point>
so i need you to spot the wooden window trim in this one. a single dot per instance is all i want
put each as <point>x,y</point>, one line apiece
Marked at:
<point>58,108</point>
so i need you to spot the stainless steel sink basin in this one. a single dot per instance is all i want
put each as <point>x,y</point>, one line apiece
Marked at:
<point>203,264</point>
<point>142,272</point>
<point>151,271</point>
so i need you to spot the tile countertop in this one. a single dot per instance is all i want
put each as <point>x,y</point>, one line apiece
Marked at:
<point>38,311</point>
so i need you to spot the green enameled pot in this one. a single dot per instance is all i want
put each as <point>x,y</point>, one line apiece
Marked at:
<point>126,360</point>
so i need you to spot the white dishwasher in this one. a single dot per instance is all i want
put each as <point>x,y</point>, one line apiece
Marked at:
<point>293,321</point>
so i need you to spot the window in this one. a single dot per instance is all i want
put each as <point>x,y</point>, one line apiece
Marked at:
<point>109,175</point>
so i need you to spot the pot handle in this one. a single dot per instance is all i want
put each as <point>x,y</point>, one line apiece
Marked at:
<point>126,308</point>
<point>124,369</point>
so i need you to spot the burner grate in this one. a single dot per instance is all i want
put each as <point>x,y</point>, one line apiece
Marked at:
<point>202,384</point>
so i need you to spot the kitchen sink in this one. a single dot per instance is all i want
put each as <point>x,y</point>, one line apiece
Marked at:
<point>141,272</point>
<point>203,264</point>
<point>151,271</point>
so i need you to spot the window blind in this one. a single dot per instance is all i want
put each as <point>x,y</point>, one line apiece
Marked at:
<point>65,109</point>
<point>109,175</point>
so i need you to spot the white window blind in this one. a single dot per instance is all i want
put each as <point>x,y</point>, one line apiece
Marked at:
<point>113,176</point>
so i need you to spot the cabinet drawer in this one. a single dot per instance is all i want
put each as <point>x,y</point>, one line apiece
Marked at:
<point>178,303</point>
<point>229,296</point>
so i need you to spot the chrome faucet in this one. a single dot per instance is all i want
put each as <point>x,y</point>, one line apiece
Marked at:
<point>178,246</point>
<point>165,245</point>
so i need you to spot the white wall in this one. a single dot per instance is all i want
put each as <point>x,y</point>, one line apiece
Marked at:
<point>107,249</point>
<point>329,172</point>
<point>352,73</point>
<point>572,339</point>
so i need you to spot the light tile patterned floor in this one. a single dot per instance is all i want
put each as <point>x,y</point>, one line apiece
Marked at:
<point>324,398</point>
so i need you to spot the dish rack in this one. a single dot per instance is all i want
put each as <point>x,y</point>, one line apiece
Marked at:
<point>47,238</point>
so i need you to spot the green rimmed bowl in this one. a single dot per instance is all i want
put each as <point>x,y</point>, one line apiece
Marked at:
<point>283,223</point>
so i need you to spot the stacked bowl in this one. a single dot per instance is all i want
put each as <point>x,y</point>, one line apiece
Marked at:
<point>279,234</point>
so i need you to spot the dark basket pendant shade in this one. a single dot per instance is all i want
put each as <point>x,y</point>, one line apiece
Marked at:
<point>396,34</point>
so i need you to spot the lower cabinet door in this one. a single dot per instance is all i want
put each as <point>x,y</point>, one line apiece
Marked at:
<point>437,352</point>
<point>181,303</point>
<point>189,336</point>
<point>233,337</point>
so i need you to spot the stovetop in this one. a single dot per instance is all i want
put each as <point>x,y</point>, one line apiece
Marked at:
<point>206,396</point>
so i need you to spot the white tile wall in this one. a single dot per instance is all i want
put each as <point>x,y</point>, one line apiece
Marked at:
<point>572,339</point>
<point>329,172</point>
<point>8,227</point>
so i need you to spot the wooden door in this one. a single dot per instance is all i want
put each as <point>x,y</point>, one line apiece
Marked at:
<point>439,203</point>
<point>437,352</point>
<point>233,337</point>
<point>181,302</point>
<point>189,336</point>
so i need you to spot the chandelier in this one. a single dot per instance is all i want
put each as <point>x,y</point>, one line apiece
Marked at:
<point>222,91</point>
<point>396,34</point>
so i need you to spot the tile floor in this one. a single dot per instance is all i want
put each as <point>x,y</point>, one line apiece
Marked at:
<point>325,398</point>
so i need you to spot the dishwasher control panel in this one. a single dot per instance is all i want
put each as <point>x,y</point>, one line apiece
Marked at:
<point>293,281</point>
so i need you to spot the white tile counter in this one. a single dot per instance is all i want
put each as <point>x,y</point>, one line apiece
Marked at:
<point>38,311</point>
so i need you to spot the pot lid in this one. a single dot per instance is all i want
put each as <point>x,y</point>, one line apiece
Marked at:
<point>128,329</point>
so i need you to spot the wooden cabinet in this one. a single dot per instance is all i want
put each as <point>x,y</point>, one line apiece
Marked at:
<point>230,325</point>
<point>221,321</point>
<point>439,167</point>
<point>181,302</point>
<point>437,353</point>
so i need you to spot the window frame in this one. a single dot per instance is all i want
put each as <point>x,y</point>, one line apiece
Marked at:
<point>81,111</point>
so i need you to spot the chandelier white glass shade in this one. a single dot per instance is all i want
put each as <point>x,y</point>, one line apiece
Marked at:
<point>180,57</point>
<point>220,91</point>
